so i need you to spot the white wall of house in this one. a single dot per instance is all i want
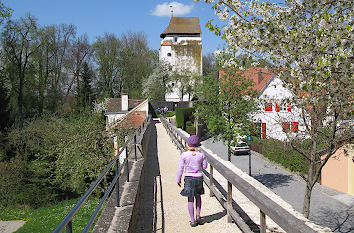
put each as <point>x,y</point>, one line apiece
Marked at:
<point>278,116</point>
<point>113,117</point>
<point>183,53</point>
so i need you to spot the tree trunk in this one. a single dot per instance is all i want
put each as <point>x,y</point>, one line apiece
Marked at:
<point>307,200</point>
<point>310,182</point>
<point>228,152</point>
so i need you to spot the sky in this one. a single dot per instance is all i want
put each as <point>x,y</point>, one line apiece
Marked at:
<point>95,17</point>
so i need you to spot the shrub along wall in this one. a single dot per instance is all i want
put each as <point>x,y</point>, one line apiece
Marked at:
<point>282,153</point>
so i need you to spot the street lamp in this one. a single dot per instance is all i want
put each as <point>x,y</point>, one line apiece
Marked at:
<point>249,139</point>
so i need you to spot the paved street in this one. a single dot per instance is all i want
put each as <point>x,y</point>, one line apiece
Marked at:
<point>328,207</point>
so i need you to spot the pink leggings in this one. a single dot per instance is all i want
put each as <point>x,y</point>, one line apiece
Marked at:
<point>198,205</point>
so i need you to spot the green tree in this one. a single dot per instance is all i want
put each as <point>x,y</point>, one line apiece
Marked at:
<point>106,55</point>
<point>53,158</point>
<point>156,86</point>
<point>84,93</point>
<point>225,105</point>
<point>5,12</point>
<point>209,64</point>
<point>19,43</point>
<point>137,62</point>
<point>4,105</point>
<point>310,43</point>
<point>184,82</point>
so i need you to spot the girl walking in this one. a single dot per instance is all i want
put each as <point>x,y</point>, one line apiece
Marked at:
<point>192,162</point>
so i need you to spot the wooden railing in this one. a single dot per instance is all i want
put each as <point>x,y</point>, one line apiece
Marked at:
<point>269,204</point>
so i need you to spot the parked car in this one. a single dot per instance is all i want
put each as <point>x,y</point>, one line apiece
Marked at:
<point>241,148</point>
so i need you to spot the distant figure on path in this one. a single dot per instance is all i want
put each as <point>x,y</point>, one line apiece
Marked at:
<point>192,161</point>
<point>165,109</point>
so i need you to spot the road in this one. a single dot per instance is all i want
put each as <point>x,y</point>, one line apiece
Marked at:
<point>329,207</point>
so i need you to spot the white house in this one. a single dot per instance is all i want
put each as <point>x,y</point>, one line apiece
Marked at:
<point>279,119</point>
<point>181,47</point>
<point>276,118</point>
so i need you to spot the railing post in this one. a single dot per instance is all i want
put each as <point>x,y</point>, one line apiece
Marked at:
<point>135,147</point>
<point>69,227</point>
<point>229,201</point>
<point>117,184</point>
<point>263,225</point>
<point>211,180</point>
<point>127,163</point>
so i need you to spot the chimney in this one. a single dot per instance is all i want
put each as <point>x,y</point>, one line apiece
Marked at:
<point>124,98</point>
<point>260,76</point>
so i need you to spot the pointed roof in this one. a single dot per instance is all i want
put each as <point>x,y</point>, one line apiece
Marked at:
<point>261,77</point>
<point>183,25</point>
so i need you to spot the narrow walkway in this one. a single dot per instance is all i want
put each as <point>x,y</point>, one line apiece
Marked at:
<point>162,208</point>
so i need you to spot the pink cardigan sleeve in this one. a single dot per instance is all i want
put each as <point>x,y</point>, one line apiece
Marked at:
<point>180,169</point>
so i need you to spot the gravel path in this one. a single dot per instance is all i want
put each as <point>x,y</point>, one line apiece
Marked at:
<point>162,208</point>
<point>10,226</point>
<point>329,207</point>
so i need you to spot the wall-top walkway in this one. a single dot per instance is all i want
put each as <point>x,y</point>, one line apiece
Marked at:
<point>162,208</point>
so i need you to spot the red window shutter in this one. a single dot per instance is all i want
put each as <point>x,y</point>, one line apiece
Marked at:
<point>264,130</point>
<point>268,107</point>
<point>277,108</point>
<point>286,127</point>
<point>294,127</point>
<point>289,107</point>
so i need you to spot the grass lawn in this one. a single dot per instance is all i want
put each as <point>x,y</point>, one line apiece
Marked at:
<point>45,219</point>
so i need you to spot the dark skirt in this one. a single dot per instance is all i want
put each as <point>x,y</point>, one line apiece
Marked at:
<point>193,186</point>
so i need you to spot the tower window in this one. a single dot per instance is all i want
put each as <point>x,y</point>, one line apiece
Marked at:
<point>169,54</point>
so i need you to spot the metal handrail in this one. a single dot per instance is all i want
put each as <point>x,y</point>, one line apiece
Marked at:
<point>67,221</point>
<point>290,221</point>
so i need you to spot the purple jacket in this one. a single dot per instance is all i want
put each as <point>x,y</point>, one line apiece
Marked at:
<point>194,162</point>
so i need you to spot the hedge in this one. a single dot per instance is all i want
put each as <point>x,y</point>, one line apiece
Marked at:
<point>182,116</point>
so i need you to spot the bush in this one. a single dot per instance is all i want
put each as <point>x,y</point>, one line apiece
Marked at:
<point>190,128</point>
<point>183,115</point>
<point>53,158</point>
<point>282,153</point>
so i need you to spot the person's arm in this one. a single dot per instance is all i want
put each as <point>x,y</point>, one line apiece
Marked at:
<point>180,169</point>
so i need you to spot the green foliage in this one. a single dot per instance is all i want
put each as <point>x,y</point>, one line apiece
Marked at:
<point>170,114</point>
<point>182,116</point>
<point>225,104</point>
<point>190,128</point>
<point>5,12</point>
<point>53,158</point>
<point>84,93</point>
<point>45,219</point>
<point>156,85</point>
<point>4,106</point>
<point>282,153</point>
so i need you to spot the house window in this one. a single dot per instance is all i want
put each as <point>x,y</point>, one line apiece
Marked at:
<point>289,107</point>
<point>268,107</point>
<point>264,130</point>
<point>286,127</point>
<point>169,54</point>
<point>294,127</point>
<point>175,38</point>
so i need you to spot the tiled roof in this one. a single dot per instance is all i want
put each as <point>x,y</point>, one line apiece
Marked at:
<point>260,76</point>
<point>115,104</point>
<point>132,120</point>
<point>165,44</point>
<point>182,25</point>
